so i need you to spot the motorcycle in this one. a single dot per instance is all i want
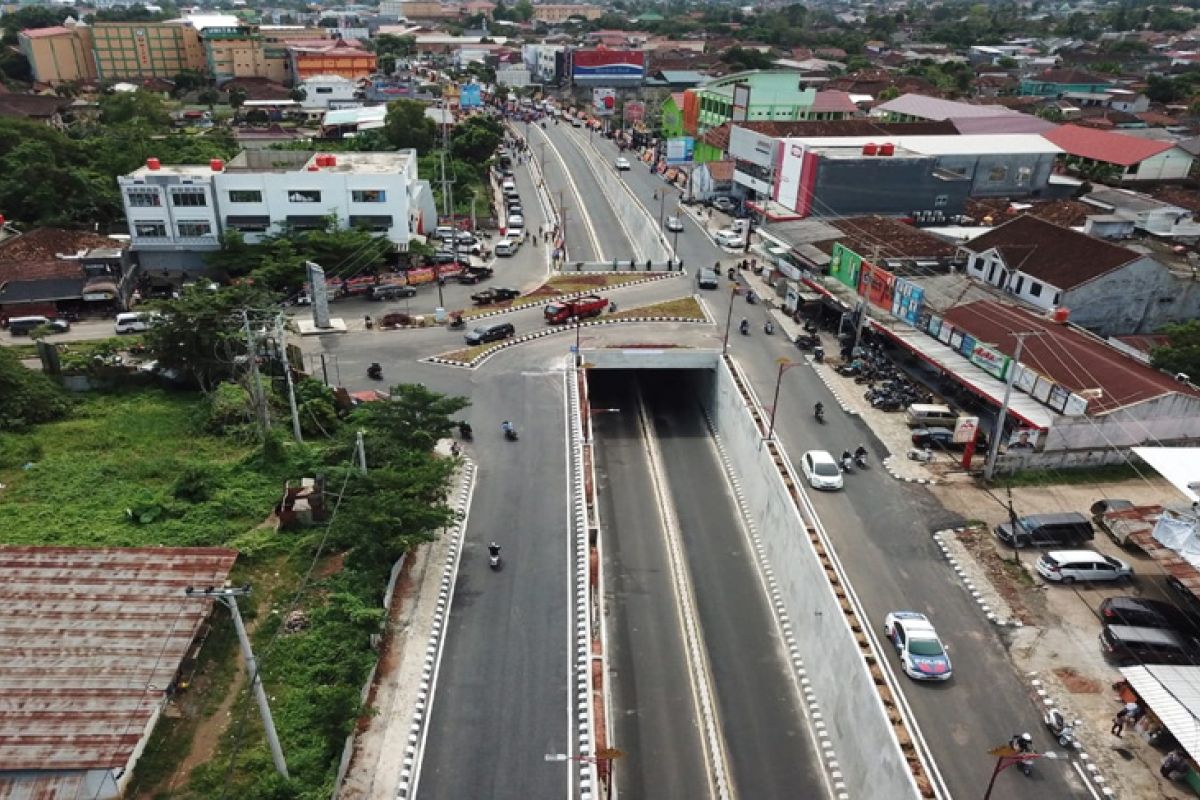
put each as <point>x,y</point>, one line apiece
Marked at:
<point>819,413</point>
<point>751,298</point>
<point>465,431</point>
<point>510,434</point>
<point>819,355</point>
<point>457,322</point>
<point>807,341</point>
<point>1063,730</point>
<point>370,323</point>
<point>860,460</point>
<point>375,372</point>
<point>744,328</point>
<point>494,556</point>
<point>847,464</point>
<point>768,327</point>
<point>731,274</point>
<point>922,456</point>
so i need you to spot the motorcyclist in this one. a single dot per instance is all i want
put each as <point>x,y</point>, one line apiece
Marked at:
<point>769,327</point>
<point>464,430</point>
<point>745,325</point>
<point>860,452</point>
<point>494,550</point>
<point>507,428</point>
<point>375,370</point>
<point>819,410</point>
<point>846,459</point>
<point>370,323</point>
<point>1022,743</point>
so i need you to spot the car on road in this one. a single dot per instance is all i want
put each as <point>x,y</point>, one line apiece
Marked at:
<point>821,470</point>
<point>576,122</point>
<point>923,657</point>
<point>1145,612</point>
<point>1069,566</point>
<point>391,291</point>
<point>727,237</point>
<point>725,204</point>
<point>21,326</point>
<point>492,332</point>
<point>472,275</point>
<point>708,278</point>
<point>495,295</point>
<point>622,163</point>
<point>674,224</point>
<point>506,247</point>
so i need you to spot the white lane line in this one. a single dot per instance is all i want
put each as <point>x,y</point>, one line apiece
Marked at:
<point>612,201</point>
<point>718,772</point>
<point>580,205</point>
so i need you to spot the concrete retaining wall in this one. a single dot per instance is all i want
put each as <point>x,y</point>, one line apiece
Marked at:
<point>870,759</point>
<point>642,228</point>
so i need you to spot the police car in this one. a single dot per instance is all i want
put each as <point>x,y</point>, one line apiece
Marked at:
<point>922,654</point>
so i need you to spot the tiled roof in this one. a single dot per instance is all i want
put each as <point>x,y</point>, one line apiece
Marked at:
<point>721,171</point>
<point>32,105</point>
<point>1066,355</point>
<point>1059,256</point>
<point>1111,148</point>
<point>1015,122</point>
<point>34,255</point>
<point>891,238</point>
<point>832,102</point>
<point>1069,76</point>
<point>1067,213</point>
<point>1177,195</point>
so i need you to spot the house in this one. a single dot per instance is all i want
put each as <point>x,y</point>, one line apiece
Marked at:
<point>1131,158</point>
<point>1108,289</point>
<point>49,270</point>
<point>1058,82</point>
<point>712,179</point>
<point>43,108</point>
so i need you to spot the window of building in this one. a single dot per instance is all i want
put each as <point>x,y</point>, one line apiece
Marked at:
<point>144,198</point>
<point>150,230</point>
<point>941,200</point>
<point>998,173</point>
<point>368,196</point>
<point>1024,176</point>
<point>1020,282</point>
<point>248,224</point>
<point>324,90</point>
<point>245,196</point>
<point>1132,169</point>
<point>193,230</point>
<point>373,224</point>
<point>1035,289</point>
<point>191,198</point>
<point>304,196</point>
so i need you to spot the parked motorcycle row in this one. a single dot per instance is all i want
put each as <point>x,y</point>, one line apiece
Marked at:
<point>888,388</point>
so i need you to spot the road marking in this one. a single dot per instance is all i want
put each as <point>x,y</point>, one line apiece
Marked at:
<point>581,207</point>
<point>702,692</point>
<point>637,251</point>
<point>572,690</point>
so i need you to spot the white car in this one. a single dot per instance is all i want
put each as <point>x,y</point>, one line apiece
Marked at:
<point>674,224</point>
<point>820,470</point>
<point>516,234</point>
<point>516,221</point>
<point>622,163</point>
<point>727,237</point>
<point>506,247</point>
<point>923,657</point>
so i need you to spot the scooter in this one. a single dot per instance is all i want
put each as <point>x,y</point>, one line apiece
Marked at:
<point>1063,730</point>
<point>768,327</point>
<point>819,413</point>
<point>375,372</point>
<point>510,434</point>
<point>860,460</point>
<point>744,328</point>
<point>751,297</point>
<point>494,559</point>
<point>847,465</point>
<point>923,456</point>
<point>819,355</point>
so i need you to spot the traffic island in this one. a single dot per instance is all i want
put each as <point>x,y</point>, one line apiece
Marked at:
<point>568,287</point>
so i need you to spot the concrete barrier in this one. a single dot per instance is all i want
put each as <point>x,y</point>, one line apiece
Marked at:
<point>641,227</point>
<point>871,762</point>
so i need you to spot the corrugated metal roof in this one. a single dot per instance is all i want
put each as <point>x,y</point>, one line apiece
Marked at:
<point>1173,694</point>
<point>89,641</point>
<point>935,108</point>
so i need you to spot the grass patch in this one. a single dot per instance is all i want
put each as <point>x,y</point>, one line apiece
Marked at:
<point>564,283</point>
<point>1111,473</point>
<point>687,307</point>
<point>467,355</point>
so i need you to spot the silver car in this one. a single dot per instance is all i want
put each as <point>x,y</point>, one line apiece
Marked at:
<point>674,224</point>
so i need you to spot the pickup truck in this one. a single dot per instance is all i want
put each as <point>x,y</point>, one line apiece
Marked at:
<point>475,274</point>
<point>583,307</point>
<point>494,295</point>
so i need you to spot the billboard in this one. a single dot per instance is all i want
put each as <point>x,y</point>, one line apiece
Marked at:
<point>635,111</point>
<point>680,150</point>
<point>796,177</point>
<point>604,101</point>
<point>741,102</point>
<point>623,67</point>
<point>470,96</point>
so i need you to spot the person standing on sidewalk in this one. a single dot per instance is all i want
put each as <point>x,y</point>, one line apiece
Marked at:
<point>1126,716</point>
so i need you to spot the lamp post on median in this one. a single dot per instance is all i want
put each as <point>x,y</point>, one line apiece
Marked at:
<point>578,327</point>
<point>784,366</point>
<point>733,290</point>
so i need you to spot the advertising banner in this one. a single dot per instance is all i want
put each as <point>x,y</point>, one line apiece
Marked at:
<point>877,286</point>
<point>635,111</point>
<point>608,66</point>
<point>741,102</point>
<point>990,360</point>
<point>965,429</point>
<point>470,96</point>
<point>680,150</point>
<point>845,264</point>
<point>907,300</point>
<point>604,101</point>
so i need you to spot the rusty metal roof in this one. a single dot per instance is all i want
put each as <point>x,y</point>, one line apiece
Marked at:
<point>89,641</point>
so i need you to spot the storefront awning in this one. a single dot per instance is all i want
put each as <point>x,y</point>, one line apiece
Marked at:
<point>1173,694</point>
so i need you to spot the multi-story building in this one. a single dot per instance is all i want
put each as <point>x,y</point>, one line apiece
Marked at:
<point>146,49</point>
<point>59,54</point>
<point>555,13</point>
<point>330,91</point>
<point>423,9</point>
<point>176,214</point>
<point>755,96</point>
<point>341,57</point>
<point>240,52</point>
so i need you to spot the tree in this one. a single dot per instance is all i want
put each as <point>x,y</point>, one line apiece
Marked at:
<point>406,126</point>
<point>200,333</point>
<point>522,11</point>
<point>1162,90</point>
<point>120,108</point>
<point>237,98</point>
<point>413,420</point>
<point>742,58</point>
<point>28,17</point>
<point>209,97</point>
<point>1181,354</point>
<point>30,397</point>
<point>188,81</point>
<point>476,139</point>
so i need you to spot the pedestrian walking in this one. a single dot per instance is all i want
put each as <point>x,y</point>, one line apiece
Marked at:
<point>1126,716</point>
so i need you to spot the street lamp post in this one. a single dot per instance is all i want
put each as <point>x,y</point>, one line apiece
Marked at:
<point>578,328</point>
<point>729,319</point>
<point>784,366</point>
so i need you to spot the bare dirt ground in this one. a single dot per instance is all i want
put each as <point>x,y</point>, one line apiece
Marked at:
<point>1059,640</point>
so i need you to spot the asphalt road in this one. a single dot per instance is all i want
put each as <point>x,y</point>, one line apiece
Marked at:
<point>769,749</point>
<point>501,702</point>
<point>654,711</point>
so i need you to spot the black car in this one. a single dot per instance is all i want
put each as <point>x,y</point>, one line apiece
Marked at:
<point>472,275</point>
<point>391,291</point>
<point>1147,613</point>
<point>492,332</point>
<point>942,438</point>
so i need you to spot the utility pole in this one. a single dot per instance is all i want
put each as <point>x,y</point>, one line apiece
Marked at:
<point>256,392</point>
<point>228,598</point>
<point>287,373</point>
<point>360,449</point>
<point>994,450</point>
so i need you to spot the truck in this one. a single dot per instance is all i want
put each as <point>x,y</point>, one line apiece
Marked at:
<point>581,308</point>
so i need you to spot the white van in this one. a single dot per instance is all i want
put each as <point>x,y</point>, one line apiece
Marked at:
<point>929,415</point>
<point>135,321</point>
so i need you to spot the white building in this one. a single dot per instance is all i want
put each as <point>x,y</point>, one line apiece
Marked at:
<point>541,60</point>
<point>176,214</point>
<point>329,91</point>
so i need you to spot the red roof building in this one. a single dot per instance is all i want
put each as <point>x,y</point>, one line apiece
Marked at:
<point>1137,158</point>
<point>344,57</point>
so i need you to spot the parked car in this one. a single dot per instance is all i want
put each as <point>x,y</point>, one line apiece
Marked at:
<point>443,233</point>
<point>622,163</point>
<point>492,332</point>
<point>391,291</point>
<point>1069,566</point>
<point>505,247</point>
<point>725,204</point>
<point>21,326</point>
<point>1041,530</point>
<point>1133,644</point>
<point>494,295</point>
<point>727,237</point>
<point>1145,612</point>
<point>135,321</point>
<point>923,657</point>
<point>674,224</point>
<point>516,221</point>
<point>820,470</point>
<point>942,438</point>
